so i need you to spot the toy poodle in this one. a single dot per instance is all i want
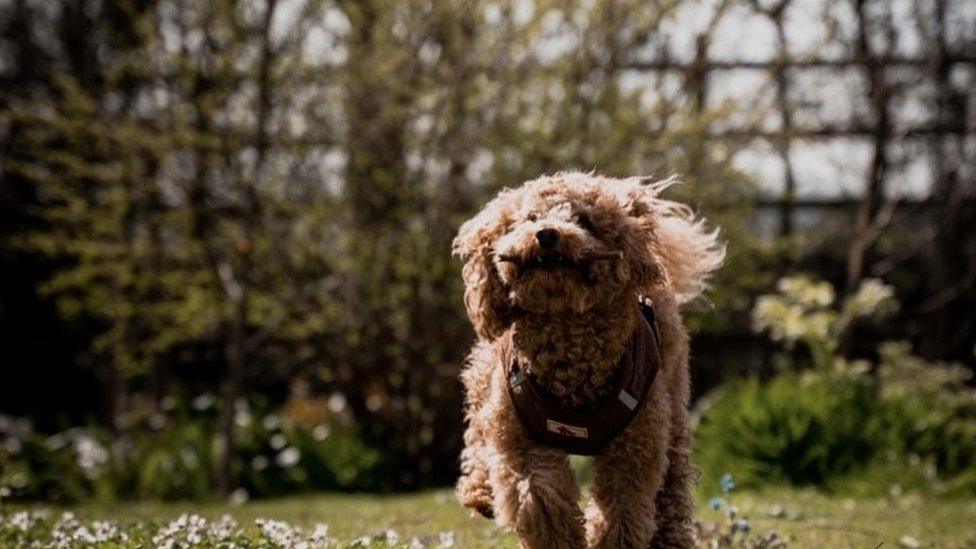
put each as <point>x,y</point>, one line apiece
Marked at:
<point>573,283</point>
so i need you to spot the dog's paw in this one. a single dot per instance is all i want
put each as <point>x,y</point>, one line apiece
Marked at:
<point>483,510</point>
<point>476,496</point>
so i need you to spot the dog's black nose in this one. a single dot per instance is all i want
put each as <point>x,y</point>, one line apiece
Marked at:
<point>547,237</point>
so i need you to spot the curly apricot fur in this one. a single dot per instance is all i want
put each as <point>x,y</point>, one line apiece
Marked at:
<point>571,317</point>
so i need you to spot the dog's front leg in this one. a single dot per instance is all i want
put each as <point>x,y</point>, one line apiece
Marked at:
<point>534,490</point>
<point>537,496</point>
<point>628,475</point>
<point>473,487</point>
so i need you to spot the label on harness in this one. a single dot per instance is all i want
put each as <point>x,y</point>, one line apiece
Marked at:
<point>567,430</point>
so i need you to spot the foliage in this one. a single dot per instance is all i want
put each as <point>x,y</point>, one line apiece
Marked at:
<point>804,311</point>
<point>801,431</point>
<point>173,454</point>
<point>228,194</point>
<point>845,425</point>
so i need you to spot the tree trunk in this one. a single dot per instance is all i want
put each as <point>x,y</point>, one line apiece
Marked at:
<point>237,286</point>
<point>230,391</point>
<point>867,223</point>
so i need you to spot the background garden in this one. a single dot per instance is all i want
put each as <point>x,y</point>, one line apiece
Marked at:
<point>225,231</point>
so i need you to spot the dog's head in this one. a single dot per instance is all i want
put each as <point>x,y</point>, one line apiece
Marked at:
<point>569,242</point>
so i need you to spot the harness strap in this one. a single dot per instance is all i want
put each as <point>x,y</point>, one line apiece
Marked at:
<point>587,430</point>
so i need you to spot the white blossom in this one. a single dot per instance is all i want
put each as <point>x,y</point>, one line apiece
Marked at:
<point>446,539</point>
<point>204,401</point>
<point>185,530</point>
<point>90,454</point>
<point>238,497</point>
<point>271,422</point>
<point>320,536</point>
<point>278,441</point>
<point>21,521</point>
<point>288,457</point>
<point>106,532</point>
<point>320,433</point>
<point>224,529</point>
<point>337,402</point>
<point>281,534</point>
<point>260,463</point>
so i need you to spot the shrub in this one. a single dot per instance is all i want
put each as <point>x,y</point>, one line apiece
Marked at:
<point>844,425</point>
<point>795,429</point>
<point>845,431</point>
<point>174,455</point>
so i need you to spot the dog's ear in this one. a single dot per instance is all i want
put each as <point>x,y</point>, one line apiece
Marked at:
<point>684,252</point>
<point>485,295</point>
<point>646,271</point>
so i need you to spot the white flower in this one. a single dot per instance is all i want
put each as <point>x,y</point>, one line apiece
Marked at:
<point>185,530</point>
<point>106,532</point>
<point>19,480</point>
<point>83,535</point>
<point>21,521</point>
<point>223,529</point>
<point>909,542</point>
<point>392,537</point>
<point>189,457</point>
<point>260,463</point>
<point>446,539</point>
<point>13,445</point>
<point>320,536</point>
<point>320,433</point>
<point>872,297</point>
<point>90,454</point>
<point>337,402</point>
<point>280,534</point>
<point>157,421</point>
<point>57,441</point>
<point>167,403</point>
<point>69,532</point>
<point>288,457</point>
<point>278,441</point>
<point>61,532</point>
<point>271,422</point>
<point>806,292</point>
<point>242,418</point>
<point>204,401</point>
<point>238,497</point>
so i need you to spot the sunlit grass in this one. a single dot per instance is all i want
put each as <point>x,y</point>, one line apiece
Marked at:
<point>807,519</point>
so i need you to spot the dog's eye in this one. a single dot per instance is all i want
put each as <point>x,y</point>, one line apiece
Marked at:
<point>585,222</point>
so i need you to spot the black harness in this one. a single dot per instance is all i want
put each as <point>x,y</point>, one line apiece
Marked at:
<point>587,429</point>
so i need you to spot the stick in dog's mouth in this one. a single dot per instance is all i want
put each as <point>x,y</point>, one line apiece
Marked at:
<point>595,256</point>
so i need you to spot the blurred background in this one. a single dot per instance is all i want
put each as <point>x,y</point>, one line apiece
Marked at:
<point>225,229</point>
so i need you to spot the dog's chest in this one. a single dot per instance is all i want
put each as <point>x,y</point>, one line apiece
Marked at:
<point>571,359</point>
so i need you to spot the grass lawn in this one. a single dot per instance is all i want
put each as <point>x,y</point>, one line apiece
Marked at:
<point>805,518</point>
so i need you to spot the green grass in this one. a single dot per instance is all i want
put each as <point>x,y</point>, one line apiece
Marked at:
<point>805,518</point>
<point>811,519</point>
